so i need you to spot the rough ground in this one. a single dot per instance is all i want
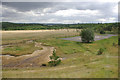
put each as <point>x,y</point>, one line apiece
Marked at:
<point>35,59</point>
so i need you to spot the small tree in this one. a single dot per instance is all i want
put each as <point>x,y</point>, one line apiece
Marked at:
<point>54,59</point>
<point>119,41</point>
<point>87,35</point>
<point>102,32</point>
<point>100,51</point>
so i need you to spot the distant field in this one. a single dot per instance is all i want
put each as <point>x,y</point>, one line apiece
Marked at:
<point>80,60</point>
<point>28,31</point>
<point>19,36</point>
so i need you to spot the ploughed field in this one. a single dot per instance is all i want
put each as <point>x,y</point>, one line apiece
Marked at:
<point>24,52</point>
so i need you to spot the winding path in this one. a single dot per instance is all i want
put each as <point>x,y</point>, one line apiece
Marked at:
<point>35,59</point>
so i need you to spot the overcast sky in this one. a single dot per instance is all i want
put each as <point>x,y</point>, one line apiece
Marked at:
<point>59,12</point>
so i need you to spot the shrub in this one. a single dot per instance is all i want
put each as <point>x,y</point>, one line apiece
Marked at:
<point>100,51</point>
<point>87,35</point>
<point>114,44</point>
<point>54,59</point>
<point>102,32</point>
<point>118,41</point>
<point>43,64</point>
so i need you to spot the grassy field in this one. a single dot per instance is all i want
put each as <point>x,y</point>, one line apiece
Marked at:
<point>19,36</point>
<point>80,60</point>
<point>18,42</point>
<point>20,49</point>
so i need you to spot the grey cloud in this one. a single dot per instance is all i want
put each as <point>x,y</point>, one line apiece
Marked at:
<point>27,6</point>
<point>21,8</point>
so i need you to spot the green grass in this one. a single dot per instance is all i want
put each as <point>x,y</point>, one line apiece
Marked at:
<point>17,41</point>
<point>80,59</point>
<point>20,49</point>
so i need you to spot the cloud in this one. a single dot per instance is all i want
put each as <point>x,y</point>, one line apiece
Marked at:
<point>74,12</point>
<point>60,0</point>
<point>27,6</point>
<point>59,12</point>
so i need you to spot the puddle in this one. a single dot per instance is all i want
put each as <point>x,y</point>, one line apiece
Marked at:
<point>97,37</point>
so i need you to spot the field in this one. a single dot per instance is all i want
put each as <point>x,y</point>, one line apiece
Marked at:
<point>79,60</point>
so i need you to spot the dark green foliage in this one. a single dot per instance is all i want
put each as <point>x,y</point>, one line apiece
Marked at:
<point>54,59</point>
<point>114,44</point>
<point>118,41</point>
<point>102,32</point>
<point>37,26</point>
<point>43,64</point>
<point>100,51</point>
<point>87,35</point>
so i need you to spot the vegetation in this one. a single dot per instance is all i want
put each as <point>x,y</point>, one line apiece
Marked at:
<point>43,64</point>
<point>97,27</point>
<point>87,35</point>
<point>18,37</point>
<point>20,49</point>
<point>100,51</point>
<point>102,32</point>
<point>54,59</point>
<point>118,41</point>
<point>78,58</point>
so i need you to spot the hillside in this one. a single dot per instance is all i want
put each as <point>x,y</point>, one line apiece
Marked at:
<point>38,26</point>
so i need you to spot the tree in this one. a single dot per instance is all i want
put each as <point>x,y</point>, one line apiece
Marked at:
<point>119,41</point>
<point>54,59</point>
<point>87,35</point>
<point>102,32</point>
<point>100,51</point>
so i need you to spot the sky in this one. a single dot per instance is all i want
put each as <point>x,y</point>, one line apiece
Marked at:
<point>68,12</point>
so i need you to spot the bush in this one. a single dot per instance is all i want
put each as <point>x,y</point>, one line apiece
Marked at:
<point>102,32</point>
<point>118,41</point>
<point>54,59</point>
<point>115,44</point>
<point>100,51</point>
<point>87,35</point>
<point>43,64</point>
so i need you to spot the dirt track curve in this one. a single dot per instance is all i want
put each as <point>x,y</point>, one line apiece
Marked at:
<point>35,59</point>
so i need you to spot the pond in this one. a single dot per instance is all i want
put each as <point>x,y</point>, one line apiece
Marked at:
<point>97,37</point>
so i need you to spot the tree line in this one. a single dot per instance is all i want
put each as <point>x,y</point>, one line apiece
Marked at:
<point>36,26</point>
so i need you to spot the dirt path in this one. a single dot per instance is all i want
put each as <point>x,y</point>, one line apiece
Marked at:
<point>35,59</point>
